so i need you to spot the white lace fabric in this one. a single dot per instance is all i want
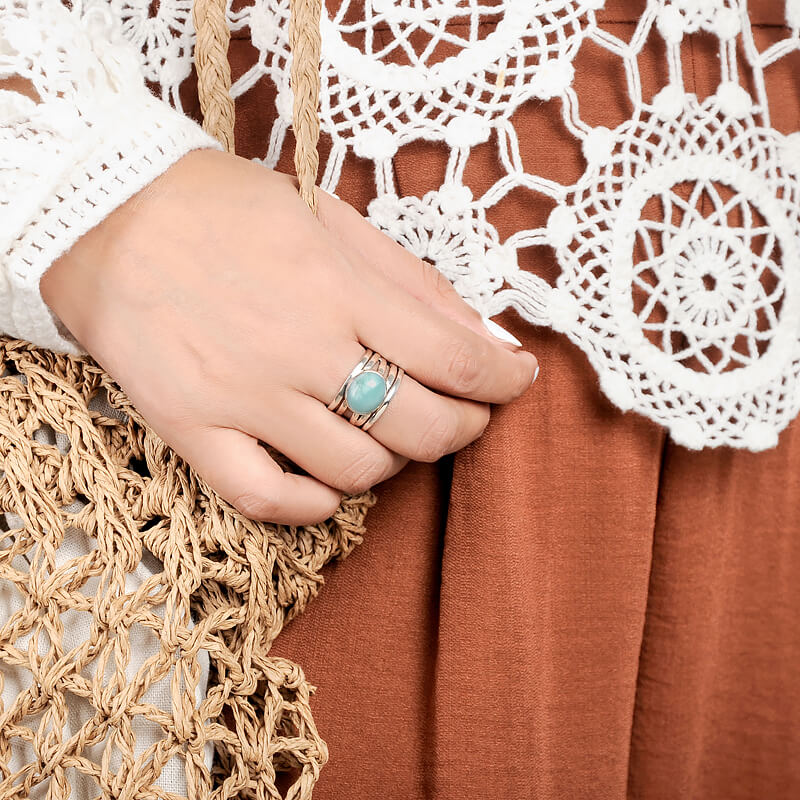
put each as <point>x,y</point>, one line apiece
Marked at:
<point>688,314</point>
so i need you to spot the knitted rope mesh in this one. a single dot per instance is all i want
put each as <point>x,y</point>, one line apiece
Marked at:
<point>112,548</point>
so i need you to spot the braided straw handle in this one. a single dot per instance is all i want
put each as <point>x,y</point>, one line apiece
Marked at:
<point>214,82</point>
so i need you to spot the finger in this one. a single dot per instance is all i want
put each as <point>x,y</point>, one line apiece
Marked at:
<point>362,240</point>
<point>440,353</point>
<point>241,471</point>
<point>425,426</point>
<point>418,423</point>
<point>329,447</point>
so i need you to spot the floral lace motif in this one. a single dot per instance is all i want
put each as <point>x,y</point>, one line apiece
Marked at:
<point>678,246</point>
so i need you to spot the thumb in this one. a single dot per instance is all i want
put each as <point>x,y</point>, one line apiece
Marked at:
<point>241,471</point>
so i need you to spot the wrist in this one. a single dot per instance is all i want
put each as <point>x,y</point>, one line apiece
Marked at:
<point>78,285</point>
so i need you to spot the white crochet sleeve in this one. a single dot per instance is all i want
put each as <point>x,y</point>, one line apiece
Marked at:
<point>93,137</point>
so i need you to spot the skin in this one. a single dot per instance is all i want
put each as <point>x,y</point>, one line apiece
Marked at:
<point>230,315</point>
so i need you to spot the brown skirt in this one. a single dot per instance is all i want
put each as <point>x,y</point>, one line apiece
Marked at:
<point>572,607</point>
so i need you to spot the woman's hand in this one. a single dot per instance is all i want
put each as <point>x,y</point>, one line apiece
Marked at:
<point>230,314</point>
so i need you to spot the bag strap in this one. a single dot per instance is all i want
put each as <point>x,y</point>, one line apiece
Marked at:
<point>213,69</point>
<point>305,44</point>
<point>214,82</point>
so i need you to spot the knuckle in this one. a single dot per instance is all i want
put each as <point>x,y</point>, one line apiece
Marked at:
<point>435,280</point>
<point>361,473</point>
<point>463,366</point>
<point>256,506</point>
<point>437,439</point>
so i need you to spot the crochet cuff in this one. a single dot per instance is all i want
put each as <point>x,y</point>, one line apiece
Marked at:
<point>79,135</point>
<point>134,144</point>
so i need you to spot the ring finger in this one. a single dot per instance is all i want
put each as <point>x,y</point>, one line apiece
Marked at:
<point>419,424</point>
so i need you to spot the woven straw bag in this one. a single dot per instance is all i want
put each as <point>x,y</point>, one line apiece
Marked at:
<point>77,459</point>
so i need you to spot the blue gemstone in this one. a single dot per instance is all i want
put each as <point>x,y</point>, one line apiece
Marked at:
<point>365,392</point>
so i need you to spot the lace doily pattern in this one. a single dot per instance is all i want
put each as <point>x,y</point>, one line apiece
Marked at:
<point>677,246</point>
<point>163,35</point>
<point>681,264</point>
<point>384,82</point>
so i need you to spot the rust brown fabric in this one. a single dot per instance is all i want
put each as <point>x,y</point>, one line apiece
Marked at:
<point>573,607</point>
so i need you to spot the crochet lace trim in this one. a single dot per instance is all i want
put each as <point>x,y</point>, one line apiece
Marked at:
<point>677,247</point>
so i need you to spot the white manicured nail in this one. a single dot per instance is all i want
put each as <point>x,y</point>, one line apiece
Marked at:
<point>500,333</point>
<point>535,375</point>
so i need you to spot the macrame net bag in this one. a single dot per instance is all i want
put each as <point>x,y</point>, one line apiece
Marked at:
<point>112,547</point>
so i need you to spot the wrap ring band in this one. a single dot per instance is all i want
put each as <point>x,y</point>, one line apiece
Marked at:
<point>367,390</point>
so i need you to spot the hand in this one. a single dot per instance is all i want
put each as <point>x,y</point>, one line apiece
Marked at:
<point>229,314</point>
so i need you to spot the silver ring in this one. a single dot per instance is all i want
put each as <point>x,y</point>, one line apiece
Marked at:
<point>362,401</point>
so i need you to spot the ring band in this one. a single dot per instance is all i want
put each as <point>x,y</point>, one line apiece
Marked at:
<point>367,390</point>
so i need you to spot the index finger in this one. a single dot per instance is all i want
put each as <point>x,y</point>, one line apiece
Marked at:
<point>359,238</point>
<point>436,350</point>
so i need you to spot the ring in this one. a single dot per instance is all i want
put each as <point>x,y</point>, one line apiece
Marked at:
<point>367,390</point>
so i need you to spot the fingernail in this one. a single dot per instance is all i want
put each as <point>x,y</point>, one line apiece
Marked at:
<point>500,333</point>
<point>535,375</point>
